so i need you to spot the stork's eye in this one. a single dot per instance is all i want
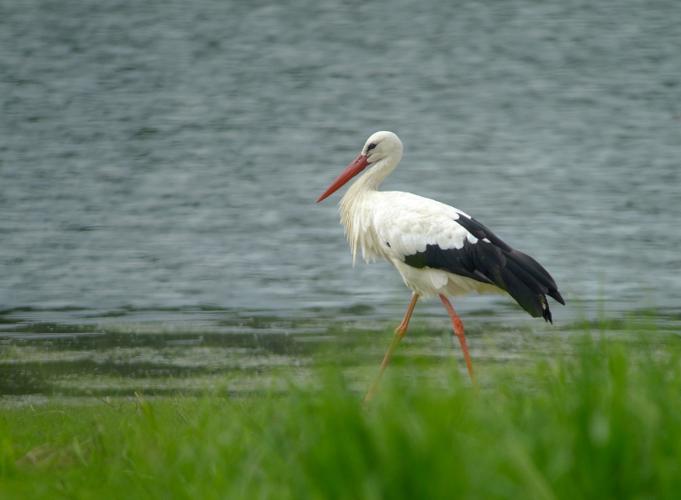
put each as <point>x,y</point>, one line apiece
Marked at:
<point>371,146</point>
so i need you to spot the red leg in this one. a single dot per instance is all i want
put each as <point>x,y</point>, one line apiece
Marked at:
<point>457,325</point>
<point>400,331</point>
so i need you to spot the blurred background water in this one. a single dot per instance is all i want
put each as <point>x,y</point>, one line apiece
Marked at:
<point>159,160</point>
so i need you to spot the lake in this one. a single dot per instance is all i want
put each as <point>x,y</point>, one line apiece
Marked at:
<point>159,161</point>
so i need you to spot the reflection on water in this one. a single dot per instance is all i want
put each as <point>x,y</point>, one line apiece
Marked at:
<point>159,161</point>
<point>210,351</point>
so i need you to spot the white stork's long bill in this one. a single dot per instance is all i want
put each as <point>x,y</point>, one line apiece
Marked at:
<point>437,249</point>
<point>357,165</point>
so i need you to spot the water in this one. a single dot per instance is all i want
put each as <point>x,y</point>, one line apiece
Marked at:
<point>161,159</point>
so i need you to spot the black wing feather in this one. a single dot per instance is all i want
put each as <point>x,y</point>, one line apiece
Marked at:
<point>490,260</point>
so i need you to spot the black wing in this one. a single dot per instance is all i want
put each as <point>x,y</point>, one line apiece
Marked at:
<point>490,260</point>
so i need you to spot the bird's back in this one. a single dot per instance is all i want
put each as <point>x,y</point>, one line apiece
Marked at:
<point>406,223</point>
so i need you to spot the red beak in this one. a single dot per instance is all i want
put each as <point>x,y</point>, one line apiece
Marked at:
<point>357,165</point>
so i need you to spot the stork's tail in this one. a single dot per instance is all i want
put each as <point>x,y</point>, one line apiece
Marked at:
<point>529,284</point>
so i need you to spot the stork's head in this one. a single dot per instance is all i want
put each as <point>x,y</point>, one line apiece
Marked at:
<point>381,145</point>
<point>380,154</point>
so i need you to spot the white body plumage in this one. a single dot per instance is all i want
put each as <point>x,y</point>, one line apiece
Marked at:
<point>438,249</point>
<point>392,225</point>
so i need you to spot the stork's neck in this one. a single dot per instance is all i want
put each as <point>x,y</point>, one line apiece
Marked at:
<point>355,210</point>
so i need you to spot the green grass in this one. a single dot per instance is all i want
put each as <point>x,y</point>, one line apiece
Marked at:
<point>602,420</point>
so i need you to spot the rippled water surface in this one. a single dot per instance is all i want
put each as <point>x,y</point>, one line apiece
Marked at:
<point>164,157</point>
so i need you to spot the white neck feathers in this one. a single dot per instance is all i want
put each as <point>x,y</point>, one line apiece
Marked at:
<point>355,206</point>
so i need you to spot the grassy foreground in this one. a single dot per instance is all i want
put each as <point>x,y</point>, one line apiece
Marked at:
<point>602,422</point>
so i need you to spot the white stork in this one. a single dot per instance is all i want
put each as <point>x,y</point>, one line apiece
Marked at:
<point>438,249</point>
